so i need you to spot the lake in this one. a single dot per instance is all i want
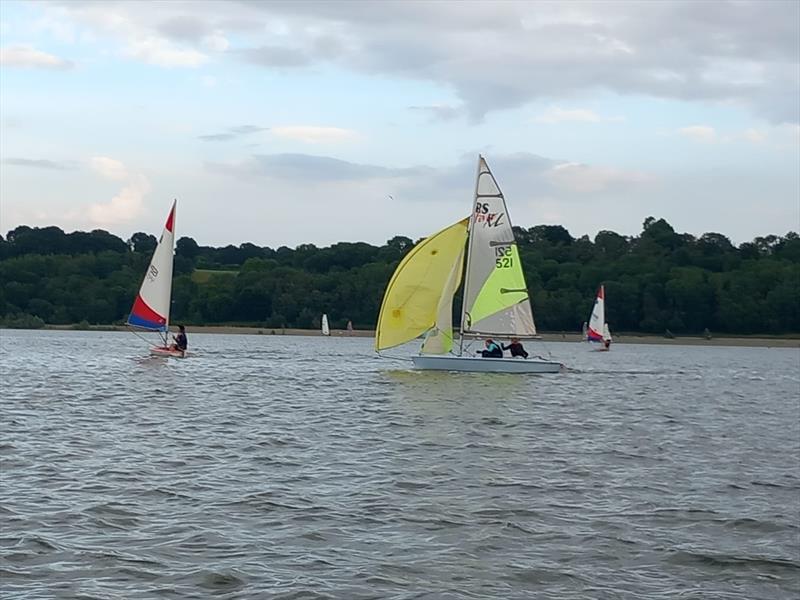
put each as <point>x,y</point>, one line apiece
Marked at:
<point>306,467</point>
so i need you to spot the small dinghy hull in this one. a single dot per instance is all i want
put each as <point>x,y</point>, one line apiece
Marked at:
<point>163,352</point>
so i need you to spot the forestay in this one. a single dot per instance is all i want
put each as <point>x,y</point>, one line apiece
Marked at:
<point>151,307</point>
<point>496,300</point>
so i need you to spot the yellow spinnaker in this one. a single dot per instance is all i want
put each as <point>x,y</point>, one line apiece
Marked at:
<point>411,301</point>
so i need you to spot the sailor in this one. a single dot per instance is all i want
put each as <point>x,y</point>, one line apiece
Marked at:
<point>180,340</point>
<point>516,348</point>
<point>493,350</point>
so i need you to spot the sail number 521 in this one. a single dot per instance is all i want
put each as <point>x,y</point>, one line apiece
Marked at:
<point>503,258</point>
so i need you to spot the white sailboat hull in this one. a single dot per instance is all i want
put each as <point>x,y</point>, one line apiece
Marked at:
<point>485,365</point>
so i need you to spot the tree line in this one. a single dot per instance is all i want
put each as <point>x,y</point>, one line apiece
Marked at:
<point>656,281</point>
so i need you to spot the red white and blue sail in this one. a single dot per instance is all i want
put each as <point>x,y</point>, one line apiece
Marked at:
<point>151,307</point>
<point>597,322</point>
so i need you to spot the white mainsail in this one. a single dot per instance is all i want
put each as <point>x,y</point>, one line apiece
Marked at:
<point>326,330</point>
<point>596,331</point>
<point>151,307</point>
<point>496,301</point>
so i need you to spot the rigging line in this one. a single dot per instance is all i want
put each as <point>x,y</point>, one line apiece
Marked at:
<point>145,340</point>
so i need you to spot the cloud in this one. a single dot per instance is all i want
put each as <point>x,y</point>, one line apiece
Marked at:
<point>582,178</point>
<point>160,52</point>
<point>232,133</point>
<point>275,56</point>
<point>495,55</point>
<point>186,28</point>
<point>559,115</point>
<point>756,136</point>
<point>39,163</point>
<point>128,203</point>
<point>700,133</point>
<point>109,168</point>
<point>308,167</point>
<point>124,207</point>
<point>527,174</point>
<point>27,57</point>
<point>439,112</point>
<point>315,135</point>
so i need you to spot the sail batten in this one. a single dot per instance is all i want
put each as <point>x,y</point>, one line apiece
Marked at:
<point>152,305</point>
<point>421,290</point>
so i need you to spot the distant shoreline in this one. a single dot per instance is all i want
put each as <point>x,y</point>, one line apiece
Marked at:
<point>619,338</point>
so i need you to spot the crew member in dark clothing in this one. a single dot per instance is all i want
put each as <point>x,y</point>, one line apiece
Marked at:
<point>180,340</point>
<point>516,348</point>
<point>493,350</point>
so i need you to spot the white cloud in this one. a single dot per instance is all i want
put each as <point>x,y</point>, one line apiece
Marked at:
<point>109,168</point>
<point>699,133</point>
<point>23,56</point>
<point>559,115</point>
<point>123,207</point>
<point>756,136</point>
<point>315,135</point>
<point>158,51</point>
<point>216,42</point>
<point>582,178</point>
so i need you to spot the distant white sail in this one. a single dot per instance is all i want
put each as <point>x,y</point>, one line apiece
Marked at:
<point>325,329</point>
<point>598,319</point>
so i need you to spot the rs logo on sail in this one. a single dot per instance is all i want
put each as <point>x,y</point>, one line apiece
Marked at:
<point>152,273</point>
<point>482,215</point>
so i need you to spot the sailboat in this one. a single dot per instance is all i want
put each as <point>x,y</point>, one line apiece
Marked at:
<point>150,310</point>
<point>419,297</point>
<point>326,330</point>
<point>597,333</point>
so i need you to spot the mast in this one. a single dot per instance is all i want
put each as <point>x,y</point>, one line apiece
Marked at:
<point>172,260</point>
<point>469,254</point>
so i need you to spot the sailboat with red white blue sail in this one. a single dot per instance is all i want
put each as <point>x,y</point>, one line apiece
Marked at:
<point>150,311</point>
<point>597,333</point>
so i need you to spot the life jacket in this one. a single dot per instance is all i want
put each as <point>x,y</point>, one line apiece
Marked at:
<point>495,349</point>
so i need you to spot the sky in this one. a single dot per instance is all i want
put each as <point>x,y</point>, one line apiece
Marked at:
<point>283,123</point>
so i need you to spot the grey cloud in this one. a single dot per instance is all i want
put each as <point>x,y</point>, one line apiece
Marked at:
<point>232,133</point>
<point>523,172</point>
<point>498,55</point>
<point>439,112</point>
<point>502,55</point>
<point>275,56</point>
<point>310,168</point>
<point>39,163</point>
<point>185,28</point>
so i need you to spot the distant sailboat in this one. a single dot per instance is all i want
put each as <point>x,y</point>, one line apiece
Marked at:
<point>597,333</point>
<point>419,297</point>
<point>326,330</point>
<point>151,308</point>
<point>349,328</point>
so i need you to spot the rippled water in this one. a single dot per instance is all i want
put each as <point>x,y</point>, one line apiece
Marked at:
<point>291,467</point>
